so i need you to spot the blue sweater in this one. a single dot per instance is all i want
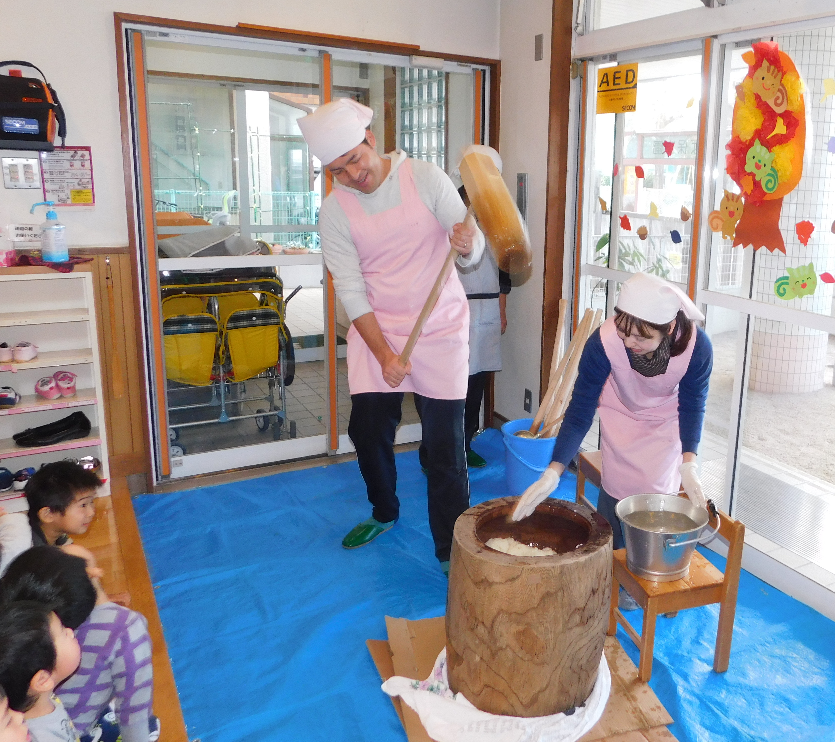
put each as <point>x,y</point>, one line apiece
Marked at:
<point>593,372</point>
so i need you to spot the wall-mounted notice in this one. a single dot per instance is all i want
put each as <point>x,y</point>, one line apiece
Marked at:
<point>68,176</point>
<point>617,88</point>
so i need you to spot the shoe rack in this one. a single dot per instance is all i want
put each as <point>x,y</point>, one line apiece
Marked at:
<point>56,312</point>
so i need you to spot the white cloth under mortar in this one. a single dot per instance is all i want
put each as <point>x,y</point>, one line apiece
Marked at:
<point>449,717</point>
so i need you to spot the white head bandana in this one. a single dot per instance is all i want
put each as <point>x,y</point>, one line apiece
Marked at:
<point>482,149</point>
<point>335,128</point>
<point>655,300</point>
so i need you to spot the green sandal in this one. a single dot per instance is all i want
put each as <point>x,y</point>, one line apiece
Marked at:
<point>474,461</point>
<point>365,532</point>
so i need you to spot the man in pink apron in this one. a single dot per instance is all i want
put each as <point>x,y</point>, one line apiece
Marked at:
<point>385,235</point>
<point>646,371</point>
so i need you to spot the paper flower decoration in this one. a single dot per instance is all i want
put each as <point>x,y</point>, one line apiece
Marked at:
<point>765,154</point>
<point>643,232</point>
<point>624,223</point>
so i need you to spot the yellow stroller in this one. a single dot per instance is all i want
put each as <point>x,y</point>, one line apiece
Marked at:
<point>220,334</point>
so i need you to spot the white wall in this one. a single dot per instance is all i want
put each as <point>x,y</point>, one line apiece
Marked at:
<point>523,144</point>
<point>73,43</point>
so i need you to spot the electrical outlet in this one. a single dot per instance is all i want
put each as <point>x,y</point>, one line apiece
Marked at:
<point>528,400</point>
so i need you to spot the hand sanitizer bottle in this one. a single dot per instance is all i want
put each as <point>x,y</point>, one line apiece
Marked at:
<point>53,236</point>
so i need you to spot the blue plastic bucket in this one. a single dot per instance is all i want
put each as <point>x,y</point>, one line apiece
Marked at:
<point>525,458</point>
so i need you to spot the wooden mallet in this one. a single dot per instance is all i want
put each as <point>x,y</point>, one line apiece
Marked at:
<point>500,221</point>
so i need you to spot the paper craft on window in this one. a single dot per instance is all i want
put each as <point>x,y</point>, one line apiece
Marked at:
<point>653,210</point>
<point>801,281</point>
<point>668,148</point>
<point>765,153</point>
<point>676,237</point>
<point>643,232</point>
<point>639,171</point>
<point>624,223</point>
<point>804,231</point>
<point>828,88</point>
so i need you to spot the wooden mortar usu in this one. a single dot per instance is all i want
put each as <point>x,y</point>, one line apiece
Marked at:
<point>525,634</point>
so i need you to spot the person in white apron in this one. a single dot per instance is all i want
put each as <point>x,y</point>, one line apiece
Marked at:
<point>486,288</point>
<point>385,233</point>
<point>646,371</point>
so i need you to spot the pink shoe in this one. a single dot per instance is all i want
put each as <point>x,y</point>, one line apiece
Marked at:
<point>5,352</point>
<point>66,382</point>
<point>25,352</point>
<point>47,388</point>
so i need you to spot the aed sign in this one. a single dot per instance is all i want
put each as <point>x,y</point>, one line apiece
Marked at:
<point>617,88</point>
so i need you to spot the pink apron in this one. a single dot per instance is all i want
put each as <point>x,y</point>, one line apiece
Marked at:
<point>640,439</point>
<point>401,252</point>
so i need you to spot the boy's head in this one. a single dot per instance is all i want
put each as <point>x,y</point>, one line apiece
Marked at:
<point>12,726</point>
<point>49,575</point>
<point>36,652</point>
<point>60,497</point>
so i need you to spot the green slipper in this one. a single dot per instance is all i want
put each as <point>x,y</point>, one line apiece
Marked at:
<point>365,532</point>
<point>474,461</point>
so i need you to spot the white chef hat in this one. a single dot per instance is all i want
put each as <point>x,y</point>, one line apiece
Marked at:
<point>335,128</point>
<point>455,173</point>
<point>655,300</point>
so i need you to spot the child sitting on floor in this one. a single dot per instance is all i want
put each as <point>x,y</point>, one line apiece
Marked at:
<point>12,726</point>
<point>37,652</point>
<point>115,645</point>
<point>61,502</point>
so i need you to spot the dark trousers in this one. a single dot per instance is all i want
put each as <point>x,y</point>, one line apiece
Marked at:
<point>374,420</point>
<point>476,384</point>
<point>606,505</point>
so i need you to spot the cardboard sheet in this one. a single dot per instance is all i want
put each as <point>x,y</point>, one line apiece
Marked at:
<point>633,713</point>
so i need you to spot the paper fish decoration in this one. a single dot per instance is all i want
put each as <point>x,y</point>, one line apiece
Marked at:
<point>676,237</point>
<point>828,88</point>
<point>653,210</point>
<point>668,147</point>
<point>603,207</point>
<point>639,171</point>
<point>827,277</point>
<point>804,231</point>
<point>616,170</point>
<point>685,214</point>
<point>625,224</point>
<point>765,161</point>
<point>690,103</point>
<point>801,281</point>
<point>643,232</point>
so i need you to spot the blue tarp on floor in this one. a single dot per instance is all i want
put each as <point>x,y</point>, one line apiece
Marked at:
<point>266,616</point>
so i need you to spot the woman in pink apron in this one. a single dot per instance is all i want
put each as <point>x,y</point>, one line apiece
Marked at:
<point>385,237</point>
<point>646,371</point>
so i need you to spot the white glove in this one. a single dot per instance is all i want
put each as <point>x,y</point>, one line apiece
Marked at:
<point>536,493</point>
<point>691,484</point>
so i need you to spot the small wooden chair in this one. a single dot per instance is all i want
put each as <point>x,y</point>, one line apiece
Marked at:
<point>704,584</point>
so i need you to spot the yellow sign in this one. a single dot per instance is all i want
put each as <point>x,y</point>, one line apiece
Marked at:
<point>617,88</point>
<point>81,196</point>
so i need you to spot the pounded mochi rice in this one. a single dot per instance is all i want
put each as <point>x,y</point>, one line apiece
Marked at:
<point>514,548</point>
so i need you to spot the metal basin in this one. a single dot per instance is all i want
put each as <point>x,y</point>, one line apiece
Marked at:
<point>661,534</point>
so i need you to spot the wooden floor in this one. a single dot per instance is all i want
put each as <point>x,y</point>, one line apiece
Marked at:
<point>114,539</point>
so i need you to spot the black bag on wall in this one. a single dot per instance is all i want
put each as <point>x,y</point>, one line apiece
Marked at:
<point>30,112</point>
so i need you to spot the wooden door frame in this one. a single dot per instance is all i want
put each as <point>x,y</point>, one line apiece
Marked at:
<point>556,191</point>
<point>124,21</point>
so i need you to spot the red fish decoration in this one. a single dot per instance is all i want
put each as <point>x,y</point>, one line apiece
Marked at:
<point>826,278</point>
<point>639,171</point>
<point>616,170</point>
<point>804,231</point>
<point>668,147</point>
<point>624,223</point>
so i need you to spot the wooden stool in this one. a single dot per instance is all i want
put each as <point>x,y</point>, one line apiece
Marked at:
<point>704,584</point>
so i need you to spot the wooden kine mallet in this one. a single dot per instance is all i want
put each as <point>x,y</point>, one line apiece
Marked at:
<point>500,221</point>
